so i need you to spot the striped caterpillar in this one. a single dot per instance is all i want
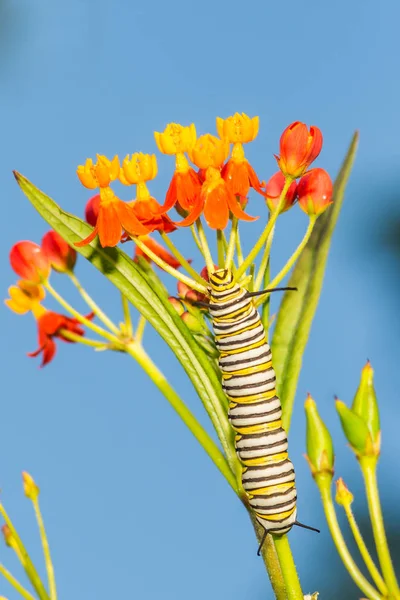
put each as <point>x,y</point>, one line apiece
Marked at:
<point>248,380</point>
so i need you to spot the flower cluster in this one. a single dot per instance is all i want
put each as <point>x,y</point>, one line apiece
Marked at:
<point>212,180</point>
<point>34,263</point>
<point>216,184</point>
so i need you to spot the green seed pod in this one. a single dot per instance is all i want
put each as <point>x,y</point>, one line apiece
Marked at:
<point>365,403</point>
<point>320,454</point>
<point>355,429</point>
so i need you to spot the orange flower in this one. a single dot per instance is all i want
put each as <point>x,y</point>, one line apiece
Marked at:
<point>60,254</point>
<point>114,215</point>
<point>184,189</point>
<point>30,262</point>
<point>274,189</point>
<point>298,149</point>
<point>25,296</point>
<point>314,191</point>
<point>238,173</point>
<point>216,198</point>
<point>50,326</point>
<point>157,249</point>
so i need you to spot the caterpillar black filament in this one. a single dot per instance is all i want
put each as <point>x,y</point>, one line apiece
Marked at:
<point>248,380</point>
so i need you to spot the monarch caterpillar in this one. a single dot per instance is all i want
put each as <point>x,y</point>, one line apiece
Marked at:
<point>248,380</point>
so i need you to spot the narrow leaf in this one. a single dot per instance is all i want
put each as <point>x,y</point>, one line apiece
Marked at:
<point>149,297</point>
<point>297,310</point>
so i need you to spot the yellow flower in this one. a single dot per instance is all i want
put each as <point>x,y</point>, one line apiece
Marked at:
<point>209,151</point>
<point>24,296</point>
<point>238,128</point>
<point>100,174</point>
<point>176,138</point>
<point>138,169</point>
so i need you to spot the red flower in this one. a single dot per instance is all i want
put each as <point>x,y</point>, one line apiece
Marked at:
<point>147,210</point>
<point>298,148</point>
<point>157,249</point>
<point>50,326</point>
<point>314,191</point>
<point>274,189</point>
<point>61,256</point>
<point>30,262</point>
<point>92,210</point>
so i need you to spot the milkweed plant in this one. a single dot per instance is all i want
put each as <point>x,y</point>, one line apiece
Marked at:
<point>213,189</point>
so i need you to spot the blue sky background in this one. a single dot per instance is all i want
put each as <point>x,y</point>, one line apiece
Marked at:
<point>133,507</point>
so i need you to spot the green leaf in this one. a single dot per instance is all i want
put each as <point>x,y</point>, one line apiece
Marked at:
<point>297,310</point>
<point>146,292</point>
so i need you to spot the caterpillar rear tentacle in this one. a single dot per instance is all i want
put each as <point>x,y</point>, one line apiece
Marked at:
<point>255,412</point>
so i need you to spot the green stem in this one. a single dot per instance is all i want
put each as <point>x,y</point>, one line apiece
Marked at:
<point>288,568</point>
<point>270,558</point>
<point>140,329</point>
<point>324,486</point>
<point>206,249</point>
<point>264,236</point>
<point>265,317</point>
<point>264,262</point>
<point>15,583</point>
<point>239,251</point>
<point>196,239</point>
<point>83,320</point>
<point>46,549</point>
<point>185,264</point>
<point>368,468</point>
<point>138,354</point>
<point>127,316</point>
<point>231,244</point>
<point>278,278</point>
<point>220,248</point>
<point>376,576</point>
<point>167,268</point>
<point>26,561</point>
<point>79,339</point>
<point>92,304</point>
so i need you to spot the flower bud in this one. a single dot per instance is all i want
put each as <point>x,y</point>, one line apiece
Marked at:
<point>298,148</point>
<point>31,490</point>
<point>314,192</point>
<point>355,430</point>
<point>177,304</point>
<point>187,293</point>
<point>343,495</point>
<point>365,403</point>
<point>194,324</point>
<point>273,192</point>
<point>92,210</point>
<point>61,256</point>
<point>30,262</point>
<point>320,455</point>
<point>8,535</point>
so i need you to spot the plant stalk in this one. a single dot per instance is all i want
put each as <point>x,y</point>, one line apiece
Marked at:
<point>368,468</point>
